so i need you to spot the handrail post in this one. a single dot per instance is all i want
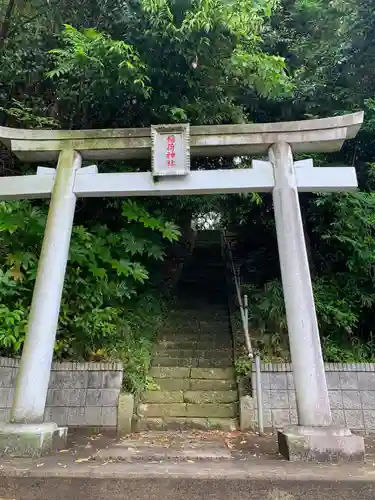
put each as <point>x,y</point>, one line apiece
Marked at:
<point>246,306</point>
<point>246,326</point>
<point>258,382</point>
<point>244,310</point>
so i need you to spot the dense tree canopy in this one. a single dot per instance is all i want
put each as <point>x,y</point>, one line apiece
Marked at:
<point>130,63</point>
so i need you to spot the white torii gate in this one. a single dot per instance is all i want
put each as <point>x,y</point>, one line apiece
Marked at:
<point>171,176</point>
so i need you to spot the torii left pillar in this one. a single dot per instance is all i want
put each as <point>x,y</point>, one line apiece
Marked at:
<point>28,434</point>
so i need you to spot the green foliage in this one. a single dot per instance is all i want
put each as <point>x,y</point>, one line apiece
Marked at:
<point>104,309</point>
<point>135,342</point>
<point>338,318</point>
<point>135,213</point>
<point>336,351</point>
<point>13,324</point>
<point>239,23</point>
<point>93,64</point>
<point>243,365</point>
<point>136,63</point>
<point>90,57</point>
<point>27,116</point>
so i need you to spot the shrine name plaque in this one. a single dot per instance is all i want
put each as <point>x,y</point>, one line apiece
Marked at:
<point>170,149</point>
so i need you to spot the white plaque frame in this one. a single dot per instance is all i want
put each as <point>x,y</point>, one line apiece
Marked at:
<point>180,154</point>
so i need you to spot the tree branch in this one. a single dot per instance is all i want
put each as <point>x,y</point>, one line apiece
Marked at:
<point>4,28</point>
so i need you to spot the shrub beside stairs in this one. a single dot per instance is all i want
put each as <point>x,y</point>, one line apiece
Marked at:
<point>192,370</point>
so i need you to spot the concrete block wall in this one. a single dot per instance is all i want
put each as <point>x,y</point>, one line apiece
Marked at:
<point>351,392</point>
<point>79,394</point>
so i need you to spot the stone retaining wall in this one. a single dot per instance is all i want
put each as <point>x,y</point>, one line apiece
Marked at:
<point>79,394</point>
<point>351,392</point>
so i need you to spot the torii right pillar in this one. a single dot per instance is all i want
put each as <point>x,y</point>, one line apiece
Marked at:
<point>314,438</point>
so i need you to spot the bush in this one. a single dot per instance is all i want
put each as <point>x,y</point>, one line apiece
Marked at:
<point>338,319</point>
<point>105,313</point>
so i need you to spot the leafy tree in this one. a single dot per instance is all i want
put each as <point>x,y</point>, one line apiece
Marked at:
<point>122,63</point>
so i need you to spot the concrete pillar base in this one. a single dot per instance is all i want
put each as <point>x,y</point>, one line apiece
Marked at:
<point>31,440</point>
<point>125,414</point>
<point>320,444</point>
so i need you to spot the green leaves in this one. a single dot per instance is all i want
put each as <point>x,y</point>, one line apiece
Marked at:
<point>106,271</point>
<point>13,323</point>
<point>91,54</point>
<point>136,213</point>
<point>262,71</point>
<point>27,116</point>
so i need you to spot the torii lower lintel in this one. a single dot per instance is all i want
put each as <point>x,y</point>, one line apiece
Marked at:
<point>259,178</point>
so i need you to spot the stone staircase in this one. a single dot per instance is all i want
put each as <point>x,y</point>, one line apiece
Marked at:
<point>193,363</point>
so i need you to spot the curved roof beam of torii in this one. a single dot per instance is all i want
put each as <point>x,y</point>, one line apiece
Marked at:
<point>308,136</point>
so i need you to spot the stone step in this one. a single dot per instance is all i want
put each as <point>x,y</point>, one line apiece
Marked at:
<point>170,372</point>
<point>189,345</point>
<point>203,288</point>
<point>197,335</point>
<point>136,450</point>
<point>194,326</point>
<point>204,266</point>
<point>208,341</point>
<point>183,305</point>
<point>194,373</point>
<point>184,384</point>
<point>212,384</point>
<point>177,344</point>
<point>207,397</point>
<point>178,423</point>
<point>195,350</point>
<point>192,362</point>
<point>205,344</point>
<point>213,373</point>
<point>206,304</point>
<point>190,353</point>
<point>212,323</point>
<point>203,329</point>
<point>186,315</point>
<point>209,337</point>
<point>262,477</point>
<point>163,397</point>
<point>195,397</point>
<point>210,281</point>
<point>204,269</point>
<point>208,410</point>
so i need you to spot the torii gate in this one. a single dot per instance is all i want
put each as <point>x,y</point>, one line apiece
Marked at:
<point>170,147</point>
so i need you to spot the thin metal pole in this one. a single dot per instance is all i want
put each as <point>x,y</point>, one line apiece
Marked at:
<point>246,306</point>
<point>246,326</point>
<point>258,380</point>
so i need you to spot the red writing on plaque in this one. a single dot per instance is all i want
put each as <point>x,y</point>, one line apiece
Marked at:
<point>170,154</point>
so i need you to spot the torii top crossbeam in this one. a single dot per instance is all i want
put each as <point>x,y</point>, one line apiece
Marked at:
<point>308,136</point>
